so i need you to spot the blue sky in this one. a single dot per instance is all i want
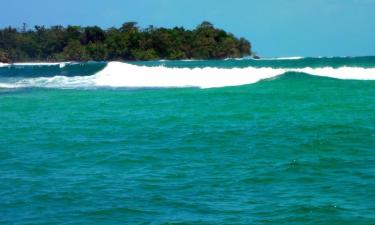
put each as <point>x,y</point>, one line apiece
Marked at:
<point>275,27</point>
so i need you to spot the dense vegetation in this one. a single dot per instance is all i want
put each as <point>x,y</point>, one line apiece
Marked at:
<point>129,42</point>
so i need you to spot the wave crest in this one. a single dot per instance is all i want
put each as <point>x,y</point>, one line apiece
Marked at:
<point>125,75</point>
<point>4,64</point>
<point>118,74</point>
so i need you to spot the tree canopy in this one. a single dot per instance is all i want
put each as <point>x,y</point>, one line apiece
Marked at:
<point>129,42</point>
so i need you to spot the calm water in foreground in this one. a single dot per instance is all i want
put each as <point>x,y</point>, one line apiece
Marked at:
<point>290,149</point>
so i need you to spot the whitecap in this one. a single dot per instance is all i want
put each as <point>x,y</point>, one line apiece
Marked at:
<point>4,64</point>
<point>60,64</point>
<point>119,74</point>
<point>284,58</point>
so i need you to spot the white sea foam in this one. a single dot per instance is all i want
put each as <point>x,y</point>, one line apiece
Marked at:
<point>61,64</point>
<point>62,82</point>
<point>290,58</point>
<point>284,58</point>
<point>125,75</point>
<point>3,64</point>
<point>343,73</point>
<point>191,60</point>
<point>117,74</point>
<point>8,86</point>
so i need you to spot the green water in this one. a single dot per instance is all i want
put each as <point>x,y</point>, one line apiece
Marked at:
<point>296,149</point>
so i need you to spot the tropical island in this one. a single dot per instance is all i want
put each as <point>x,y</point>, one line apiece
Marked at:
<point>129,42</point>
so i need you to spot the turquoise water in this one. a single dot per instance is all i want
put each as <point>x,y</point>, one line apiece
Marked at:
<point>290,149</point>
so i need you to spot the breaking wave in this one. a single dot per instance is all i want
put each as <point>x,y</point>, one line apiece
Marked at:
<point>284,58</point>
<point>118,74</point>
<point>4,64</point>
<point>60,64</point>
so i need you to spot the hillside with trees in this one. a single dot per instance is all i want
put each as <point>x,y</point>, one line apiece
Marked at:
<point>129,42</point>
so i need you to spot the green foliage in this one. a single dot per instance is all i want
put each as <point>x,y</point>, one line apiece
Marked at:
<point>96,51</point>
<point>129,42</point>
<point>149,54</point>
<point>74,51</point>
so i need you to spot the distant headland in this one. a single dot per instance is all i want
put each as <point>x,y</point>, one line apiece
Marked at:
<point>129,42</point>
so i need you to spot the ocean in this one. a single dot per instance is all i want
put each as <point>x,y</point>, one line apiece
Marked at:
<point>271,141</point>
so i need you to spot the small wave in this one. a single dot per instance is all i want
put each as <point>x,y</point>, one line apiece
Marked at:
<point>239,59</point>
<point>61,82</point>
<point>8,86</point>
<point>290,58</point>
<point>4,64</point>
<point>60,64</point>
<point>343,73</point>
<point>191,60</point>
<point>118,74</point>
<point>284,58</point>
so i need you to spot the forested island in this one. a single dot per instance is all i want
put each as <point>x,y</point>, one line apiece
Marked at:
<point>129,42</point>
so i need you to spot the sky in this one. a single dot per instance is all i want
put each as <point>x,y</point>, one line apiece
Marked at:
<point>274,27</point>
